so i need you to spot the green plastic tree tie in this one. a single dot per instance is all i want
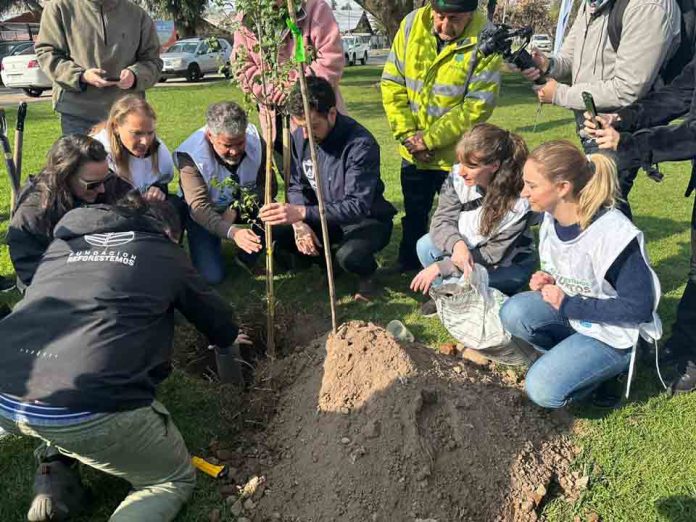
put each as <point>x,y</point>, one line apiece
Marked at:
<point>300,54</point>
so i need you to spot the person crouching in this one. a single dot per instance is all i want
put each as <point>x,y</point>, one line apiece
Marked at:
<point>596,291</point>
<point>359,218</point>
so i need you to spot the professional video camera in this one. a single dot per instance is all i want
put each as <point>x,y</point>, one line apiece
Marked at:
<point>497,39</point>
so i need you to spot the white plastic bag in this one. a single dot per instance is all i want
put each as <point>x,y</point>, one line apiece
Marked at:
<point>469,309</point>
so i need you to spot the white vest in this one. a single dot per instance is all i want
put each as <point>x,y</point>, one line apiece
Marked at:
<point>200,150</point>
<point>580,265</point>
<point>142,175</point>
<point>470,220</point>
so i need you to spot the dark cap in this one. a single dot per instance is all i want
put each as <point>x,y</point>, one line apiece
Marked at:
<point>454,6</point>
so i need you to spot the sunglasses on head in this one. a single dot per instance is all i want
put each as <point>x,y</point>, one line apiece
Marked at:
<point>95,184</point>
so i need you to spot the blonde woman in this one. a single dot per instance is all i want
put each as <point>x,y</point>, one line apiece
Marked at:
<point>595,290</point>
<point>135,153</point>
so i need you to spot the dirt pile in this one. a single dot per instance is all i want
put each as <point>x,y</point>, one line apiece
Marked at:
<point>366,429</point>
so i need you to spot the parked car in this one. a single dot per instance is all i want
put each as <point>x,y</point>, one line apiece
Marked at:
<point>355,48</point>
<point>22,71</point>
<point>9,48</point>
<point>542,42</point>
<point>193,58</point>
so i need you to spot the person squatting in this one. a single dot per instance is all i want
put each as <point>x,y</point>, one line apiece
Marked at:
<point>88,228</point>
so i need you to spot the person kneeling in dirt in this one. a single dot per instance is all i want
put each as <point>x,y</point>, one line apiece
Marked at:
<point>76,173</point>
<point>222,174</point>
<point>348,156</point>
<point>480,217</point>
<point>83,382</point>
<point>597,292</point>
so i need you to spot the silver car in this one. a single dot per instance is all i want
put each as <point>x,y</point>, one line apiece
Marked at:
<point>193,58</point>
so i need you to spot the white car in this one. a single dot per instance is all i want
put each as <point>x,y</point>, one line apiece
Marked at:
<point>193,58</point>
<point>355,48</point>
<point>542,42</point>
<point>22,71</point>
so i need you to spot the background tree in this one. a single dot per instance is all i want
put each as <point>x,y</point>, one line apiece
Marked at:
<point>186,14</point>
<point>389,13</point>
<point>9,6</point>
<point>533,13</point>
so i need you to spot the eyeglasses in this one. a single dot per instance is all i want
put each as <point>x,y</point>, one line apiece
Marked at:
<point>95,184</point>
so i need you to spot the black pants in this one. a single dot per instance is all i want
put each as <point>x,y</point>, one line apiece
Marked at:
<point>419,188</point>
<point>682,343</point>
<point>626,176</point>
<point>354,246</point>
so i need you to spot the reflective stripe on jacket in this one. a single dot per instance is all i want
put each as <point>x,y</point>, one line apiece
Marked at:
<point>426,90</point>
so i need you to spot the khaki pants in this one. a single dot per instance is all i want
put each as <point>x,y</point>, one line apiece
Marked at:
<point>142,446</point>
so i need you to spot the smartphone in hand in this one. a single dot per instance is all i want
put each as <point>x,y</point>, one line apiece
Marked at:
<point>111,78</point>
<point>591,108</point>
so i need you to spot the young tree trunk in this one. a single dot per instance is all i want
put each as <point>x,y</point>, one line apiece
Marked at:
<point>287,154</point>
<point>318,180</point>
<point>268,230</point>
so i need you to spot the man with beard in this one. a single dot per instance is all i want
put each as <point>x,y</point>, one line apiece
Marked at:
<point>219,164</point>
<point>358,216</point>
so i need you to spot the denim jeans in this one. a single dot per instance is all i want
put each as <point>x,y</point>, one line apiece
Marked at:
<point>205,250</point>
<point>572,364</point>
<point>142,446</point>
<point>508,279</point>
<point>70,124</point>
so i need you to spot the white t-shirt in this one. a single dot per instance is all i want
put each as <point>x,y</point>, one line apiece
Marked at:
<point>142,174</point>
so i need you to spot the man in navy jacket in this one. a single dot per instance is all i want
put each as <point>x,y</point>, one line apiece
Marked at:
<point>641,136</point>
<point>359,218</point>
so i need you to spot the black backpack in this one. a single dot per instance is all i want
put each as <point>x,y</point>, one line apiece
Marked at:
<point>684,53</point>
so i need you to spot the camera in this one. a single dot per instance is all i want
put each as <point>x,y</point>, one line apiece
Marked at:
<point>498,39</point>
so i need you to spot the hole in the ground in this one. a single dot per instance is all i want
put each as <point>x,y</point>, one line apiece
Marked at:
<point>293,329</point>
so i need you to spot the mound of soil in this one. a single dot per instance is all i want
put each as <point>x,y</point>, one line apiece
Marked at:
<point>367,429</point>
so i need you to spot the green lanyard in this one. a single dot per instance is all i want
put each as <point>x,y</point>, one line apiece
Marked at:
<point>300,54</point>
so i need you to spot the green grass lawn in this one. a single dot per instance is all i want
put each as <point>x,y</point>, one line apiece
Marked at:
<point>641,457</point>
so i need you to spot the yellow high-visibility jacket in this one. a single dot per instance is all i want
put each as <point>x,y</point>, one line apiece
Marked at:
<point>425,91</point>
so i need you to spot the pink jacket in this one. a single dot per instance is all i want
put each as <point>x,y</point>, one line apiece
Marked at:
<point>320,30</point>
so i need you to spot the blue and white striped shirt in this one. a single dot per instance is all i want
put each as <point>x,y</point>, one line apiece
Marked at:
<point>38,414</point>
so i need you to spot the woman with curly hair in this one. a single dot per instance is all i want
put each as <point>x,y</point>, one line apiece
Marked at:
<point>480,217</point>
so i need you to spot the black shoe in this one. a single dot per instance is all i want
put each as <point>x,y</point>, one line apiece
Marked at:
<point>428,309</point>
<point>608,394</point>
<point>58,492</point>
<point>7,284</point>
<point>686,382</point>
<point>367,289</point>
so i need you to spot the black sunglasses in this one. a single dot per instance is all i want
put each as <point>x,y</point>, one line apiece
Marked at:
<point>95,184</point>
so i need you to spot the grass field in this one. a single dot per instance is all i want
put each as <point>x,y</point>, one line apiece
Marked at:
<point>641,457</point>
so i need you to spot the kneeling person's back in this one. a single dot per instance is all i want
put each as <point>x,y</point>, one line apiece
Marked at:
<point>104,297</point>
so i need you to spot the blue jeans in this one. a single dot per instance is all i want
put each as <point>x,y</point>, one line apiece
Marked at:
<point>572,364</point>
<point>206,253</point>
<point>508,279</point>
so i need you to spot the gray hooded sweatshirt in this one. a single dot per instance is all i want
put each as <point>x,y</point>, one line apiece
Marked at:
<point>113,35</point>
<point>650,35</point>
